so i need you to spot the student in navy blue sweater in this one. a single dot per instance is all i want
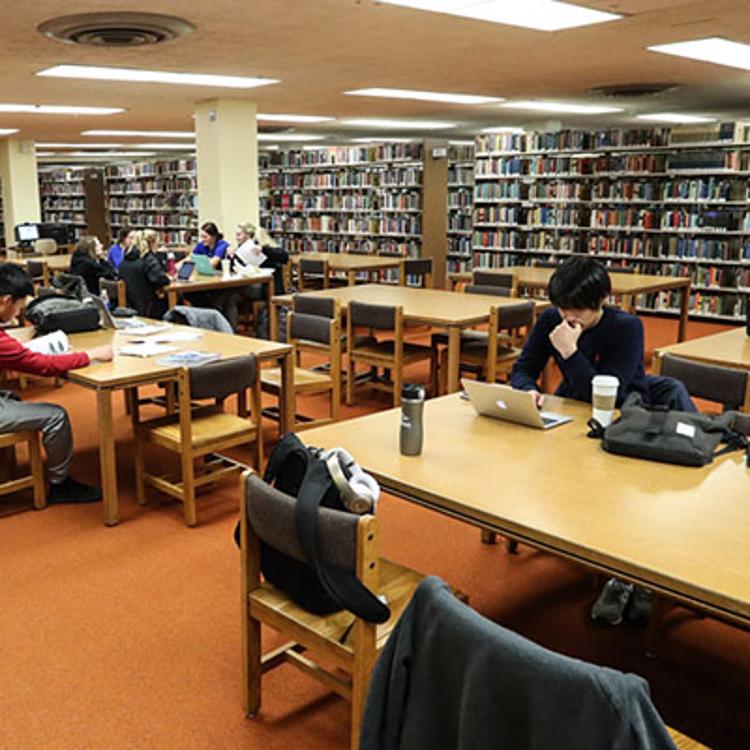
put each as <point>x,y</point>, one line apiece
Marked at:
<point>586,339</point>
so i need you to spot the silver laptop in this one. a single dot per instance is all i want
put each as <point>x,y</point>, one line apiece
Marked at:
<point>510,405</point>
<point>107,320</point>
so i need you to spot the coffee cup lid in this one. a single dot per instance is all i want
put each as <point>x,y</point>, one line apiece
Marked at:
<point>606,381</point>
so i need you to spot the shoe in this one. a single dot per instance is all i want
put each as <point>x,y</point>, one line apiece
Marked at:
<point>609,608</point>
<point>73,492</point>
<point>639,607</point>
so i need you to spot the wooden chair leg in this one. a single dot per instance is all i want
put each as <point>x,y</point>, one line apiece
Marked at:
<point>140,485</point>
<point>350,381</point>
<point>252,667</point>
<point>443,372</point>
<point>398,380</point>
<point>335,404</point>
<point>511,546</point>
<point>489,537</point>
<point>37,472</point>
<point>360,682</point>
<point>434,385</point>
<point>188,489</point>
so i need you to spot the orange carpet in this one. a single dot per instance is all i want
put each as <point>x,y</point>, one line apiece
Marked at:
<point>129,637</point>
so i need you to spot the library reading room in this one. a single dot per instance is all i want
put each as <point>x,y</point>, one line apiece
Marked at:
<point>377,375</point>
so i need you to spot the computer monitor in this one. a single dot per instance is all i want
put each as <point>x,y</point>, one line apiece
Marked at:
<point>27,233</point>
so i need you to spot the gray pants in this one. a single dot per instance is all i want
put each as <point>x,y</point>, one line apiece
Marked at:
<point>53,423</point>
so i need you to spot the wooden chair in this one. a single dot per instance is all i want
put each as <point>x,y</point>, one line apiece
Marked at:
<point>38,272</point>
<point>346,644</point>
<point>417,268</point>
<point>320,335</point>
<point>312,274</point>
<point>196,433</point>
<point>35,477</point>
<point>391,354</point>
<point>507,281</point>
<point>116,291</point>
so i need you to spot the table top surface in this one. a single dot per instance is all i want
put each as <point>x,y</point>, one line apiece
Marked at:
<point>350,261</point>
<point>436,306</point>
<point>622,283</point>
<point>55,262</point>
<point>682,530</point>
<point>124,369</point>
<point>728,348</point>
<point>199,282</point>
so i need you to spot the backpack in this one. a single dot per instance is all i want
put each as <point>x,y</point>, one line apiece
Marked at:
<point>71,285</point>
<point>62,312</point>
<point>298,471</point>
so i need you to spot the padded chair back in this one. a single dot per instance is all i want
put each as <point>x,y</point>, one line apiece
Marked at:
<point>723,385</point>
<point>45,246</point>
<point>417,266</point>
<point>222,378</point>
<point>323,307</point>
<point>272,516</point>
<point>379,317</point>
<point>312,266</point>
<point>495,291</point>
<point>310,327</point>
<point>488,278</point>
<point>620,269</point>
<point>512,317</point>
<point>546,264</point>
<point>390,254</point>
<point>35,268</point>
<point>112,288</point>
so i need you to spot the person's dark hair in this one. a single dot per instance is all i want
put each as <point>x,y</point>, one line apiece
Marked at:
<point>210,228</point>
<point>122,235</point>
<point>579,284</point>
<point>14,282</point>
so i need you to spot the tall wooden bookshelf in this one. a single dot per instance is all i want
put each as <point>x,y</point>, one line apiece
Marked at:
<point>669,202</point>
<point>62,197</point>
<point>460,207</point>
<point>362,199</point>
<point>155,194</point>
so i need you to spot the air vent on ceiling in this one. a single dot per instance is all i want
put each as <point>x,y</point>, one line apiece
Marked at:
<point>634,90</point>
<point>115,29</point>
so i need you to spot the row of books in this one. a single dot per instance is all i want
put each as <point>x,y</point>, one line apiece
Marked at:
<point>459,221</point>
<point>399,177</point>
<point>583,165</point>
<point>460,199</point>
<point>176,201</point>
<point>461,245</point>
<point>347,245</point>
<point>696,217</point>
<point>701,303</point>
<point>65,217</point>
<point>162,185</point>
<point>137,170</point>
<point>671,247</point>
<point>154,220</point>
<point>61,188</point>
<point>341,155</point>
<point>405,225</point>
<point>50,203</point>
<point>403,201</point>
<point>460,175</point>
<point>704,276</point>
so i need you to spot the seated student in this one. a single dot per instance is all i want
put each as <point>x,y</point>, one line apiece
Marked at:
<point>587,338</point>
<point>144,277</point>
<point>125,239</point>
<point>89,262</point>
<point>50,419</point>
<point>212,244</point>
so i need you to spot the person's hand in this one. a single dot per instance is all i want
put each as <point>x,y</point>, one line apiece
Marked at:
<point>565,338</point>
<point>101,353</point>
<point>538,399</point>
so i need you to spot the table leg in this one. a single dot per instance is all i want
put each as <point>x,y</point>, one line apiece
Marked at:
<point>286,397</point>
<point>107,466</point>
<point>351,278</point>
<point>270,289</point>
<point>273,321</point>
<point>171,299</point>
<point>684,307</point>
<point>454,354</point>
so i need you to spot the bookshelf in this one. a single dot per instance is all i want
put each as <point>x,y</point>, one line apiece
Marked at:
<point>663,201</point>
<point>62,197</point>
<point>155,194</point>
<point>359,199</point>
<point>460,206</point>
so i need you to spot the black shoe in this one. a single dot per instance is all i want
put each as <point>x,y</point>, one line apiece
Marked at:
<point>609,608</point>
<point>639,606</point>
<point>73,492</point>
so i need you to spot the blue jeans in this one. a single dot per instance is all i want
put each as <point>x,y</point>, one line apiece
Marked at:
<point>669,392</point>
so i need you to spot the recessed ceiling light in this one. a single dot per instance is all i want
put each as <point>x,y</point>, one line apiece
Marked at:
<point>383,140</point>
<point>289,137</point>
<point>503,129</point>
<point>45,153</point>
<point>675,117</point>
<point>141,133</point>
<point>399,124</point>
<point>271,147</point>
<point>55,109</point>
<point>571,109</point>
<point>8,131</point>
<point>164,146</point>
<point>543,15</point>
<point>460,143</point>
<point>79,145</point>
<point>137,75</point>
<point>110,153</point>
<point>293,118</point>
<point>712,49</point>
<point>426,96</point>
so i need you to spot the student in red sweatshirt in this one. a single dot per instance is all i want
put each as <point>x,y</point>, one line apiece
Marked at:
<point>50,419</point>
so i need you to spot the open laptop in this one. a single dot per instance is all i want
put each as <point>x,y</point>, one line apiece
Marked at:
<point>203,265</point>
<point>510,405</point>
<point>107,320</point>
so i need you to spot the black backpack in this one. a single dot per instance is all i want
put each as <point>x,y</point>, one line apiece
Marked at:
<point>61,312</point>
<point>298,471</point>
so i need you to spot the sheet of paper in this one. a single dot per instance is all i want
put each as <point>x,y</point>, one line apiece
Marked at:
<point>145,349</point>
<point>53,343</point>
<point>168,338</point>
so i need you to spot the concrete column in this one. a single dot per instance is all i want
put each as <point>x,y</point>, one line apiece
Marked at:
<point>20,185</point>
<point>435,207</point>
<point>227,162</point>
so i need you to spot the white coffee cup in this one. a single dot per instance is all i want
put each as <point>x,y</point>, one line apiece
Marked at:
<point>603,398</point>
<point>226,268</point>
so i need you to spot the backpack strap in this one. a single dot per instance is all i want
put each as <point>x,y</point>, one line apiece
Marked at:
<point>342,586</point>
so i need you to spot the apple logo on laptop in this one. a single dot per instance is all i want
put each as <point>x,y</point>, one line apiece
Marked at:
<point>501,404</point>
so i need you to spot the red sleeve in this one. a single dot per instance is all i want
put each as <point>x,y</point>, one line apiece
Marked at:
<point>15,356</point>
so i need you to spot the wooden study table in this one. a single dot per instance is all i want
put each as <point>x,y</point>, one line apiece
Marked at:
<point>125,372</point>
<point>351,263</point>
<point>680,531</point>
<point>628,285</point>
<point>434,307</point>
<point>199,283</point>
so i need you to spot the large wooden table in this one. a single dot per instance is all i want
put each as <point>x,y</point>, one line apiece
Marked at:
<point>680,531</point>
<point>199,283</point>
<point>434,307</point>
<point>126,372</point>
<point>351,263</point>
<point>727,349</point>
<point>627,285</point>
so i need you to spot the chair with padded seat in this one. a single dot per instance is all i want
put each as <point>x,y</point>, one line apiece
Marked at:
<point>38,272</point>
<point>347,645</point>
<point>116,291</point>
<point>194,433</point>
<point>391,354</point>
<point>418,269</point>
<point>506,280</point>
<point>312,274</point>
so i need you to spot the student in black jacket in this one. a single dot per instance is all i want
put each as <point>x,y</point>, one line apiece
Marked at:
<point>89,262</point>
<point>144,277</point>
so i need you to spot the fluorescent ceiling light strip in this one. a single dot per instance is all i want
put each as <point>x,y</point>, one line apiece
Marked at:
<point>399,124</point>
<point>426,96</point>
<point>542,15</point>
<point>110,153</point>
<point>561,107</point>
<point>503,129</point>
<point>140,133</point>
<point>137,75</point>
<point>8,131</point>
<point>289,137</point>
<point>676,117</point>
<point>375,139</point>
<point>164,146</point>
<point>56,109</point>
<point>79,145</point>
<point>711,49</point>
<point>460,143</point>
<point>309,119</point>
